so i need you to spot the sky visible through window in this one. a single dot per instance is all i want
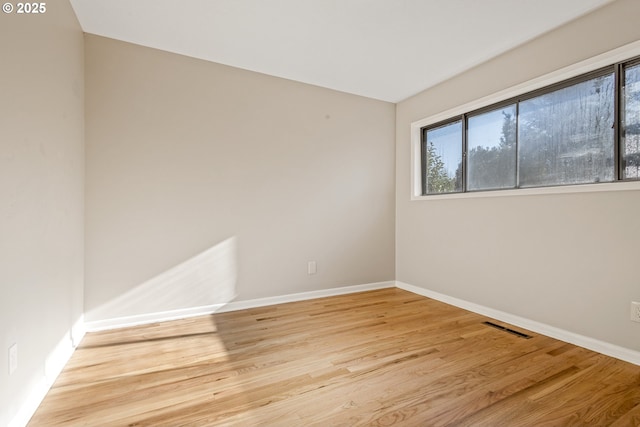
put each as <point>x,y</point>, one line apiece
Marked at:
<point>487,129</point>
<point>447,142</point>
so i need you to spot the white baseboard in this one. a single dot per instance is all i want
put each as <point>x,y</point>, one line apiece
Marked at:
<point>302,296</point>
<point>603,347</point>
<point>28,408</point>
<point>143,319</point>
<point>121,322</point>
<point>77,331</point>
<point>53,365</point>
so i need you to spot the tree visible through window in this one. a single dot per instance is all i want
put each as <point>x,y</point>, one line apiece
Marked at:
<point>566,136</point>
<point>442,158</point>
<point>631,124</point>
<point>492,150</point>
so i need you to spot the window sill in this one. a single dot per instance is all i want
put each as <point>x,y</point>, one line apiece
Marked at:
<point>567,189</point>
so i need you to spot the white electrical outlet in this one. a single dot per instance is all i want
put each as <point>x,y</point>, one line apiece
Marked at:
<point>635,311</point>
<point>311,267</point>
<point>13,358</point>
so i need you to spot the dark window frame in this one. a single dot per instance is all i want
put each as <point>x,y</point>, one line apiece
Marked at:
<point>621,88</point>
<point>618,75</point>
<point>423,152</point>
<point>490,108</point>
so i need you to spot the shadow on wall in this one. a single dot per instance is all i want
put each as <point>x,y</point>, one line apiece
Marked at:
<point>205,280</point>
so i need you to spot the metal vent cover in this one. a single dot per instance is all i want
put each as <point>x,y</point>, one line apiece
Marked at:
<point>509,330</point>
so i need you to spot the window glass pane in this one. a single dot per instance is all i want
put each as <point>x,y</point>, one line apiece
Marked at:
<point>491,140</point>
<point>443,157</point>
<point>566,136</point>
<point>631,124</point>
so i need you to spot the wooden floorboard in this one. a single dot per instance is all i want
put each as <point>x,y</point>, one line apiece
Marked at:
<point>378,358</point>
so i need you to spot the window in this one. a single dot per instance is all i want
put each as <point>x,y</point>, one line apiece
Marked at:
<point>442,154</point>
<point>566,134</point>
<point>630,132</point>
<point>492,150</point>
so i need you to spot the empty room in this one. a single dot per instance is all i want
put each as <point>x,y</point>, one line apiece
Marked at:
<point>314,213</point>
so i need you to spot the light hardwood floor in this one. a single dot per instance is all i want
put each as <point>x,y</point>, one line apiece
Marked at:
<point>386,357</point>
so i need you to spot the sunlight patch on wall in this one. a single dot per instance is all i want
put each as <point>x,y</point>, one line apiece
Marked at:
<point>207,279</point>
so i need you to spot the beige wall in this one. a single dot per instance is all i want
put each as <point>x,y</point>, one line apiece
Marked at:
<point>41,193</point>
<point>567,260</point>
<point>194,166</point>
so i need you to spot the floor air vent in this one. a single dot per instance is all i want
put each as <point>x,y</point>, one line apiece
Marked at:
<point>511,331</point>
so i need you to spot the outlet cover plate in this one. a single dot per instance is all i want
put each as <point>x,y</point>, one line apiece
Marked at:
<point>13,358</point>
<point>311,267</point>
<point>635,311</point>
